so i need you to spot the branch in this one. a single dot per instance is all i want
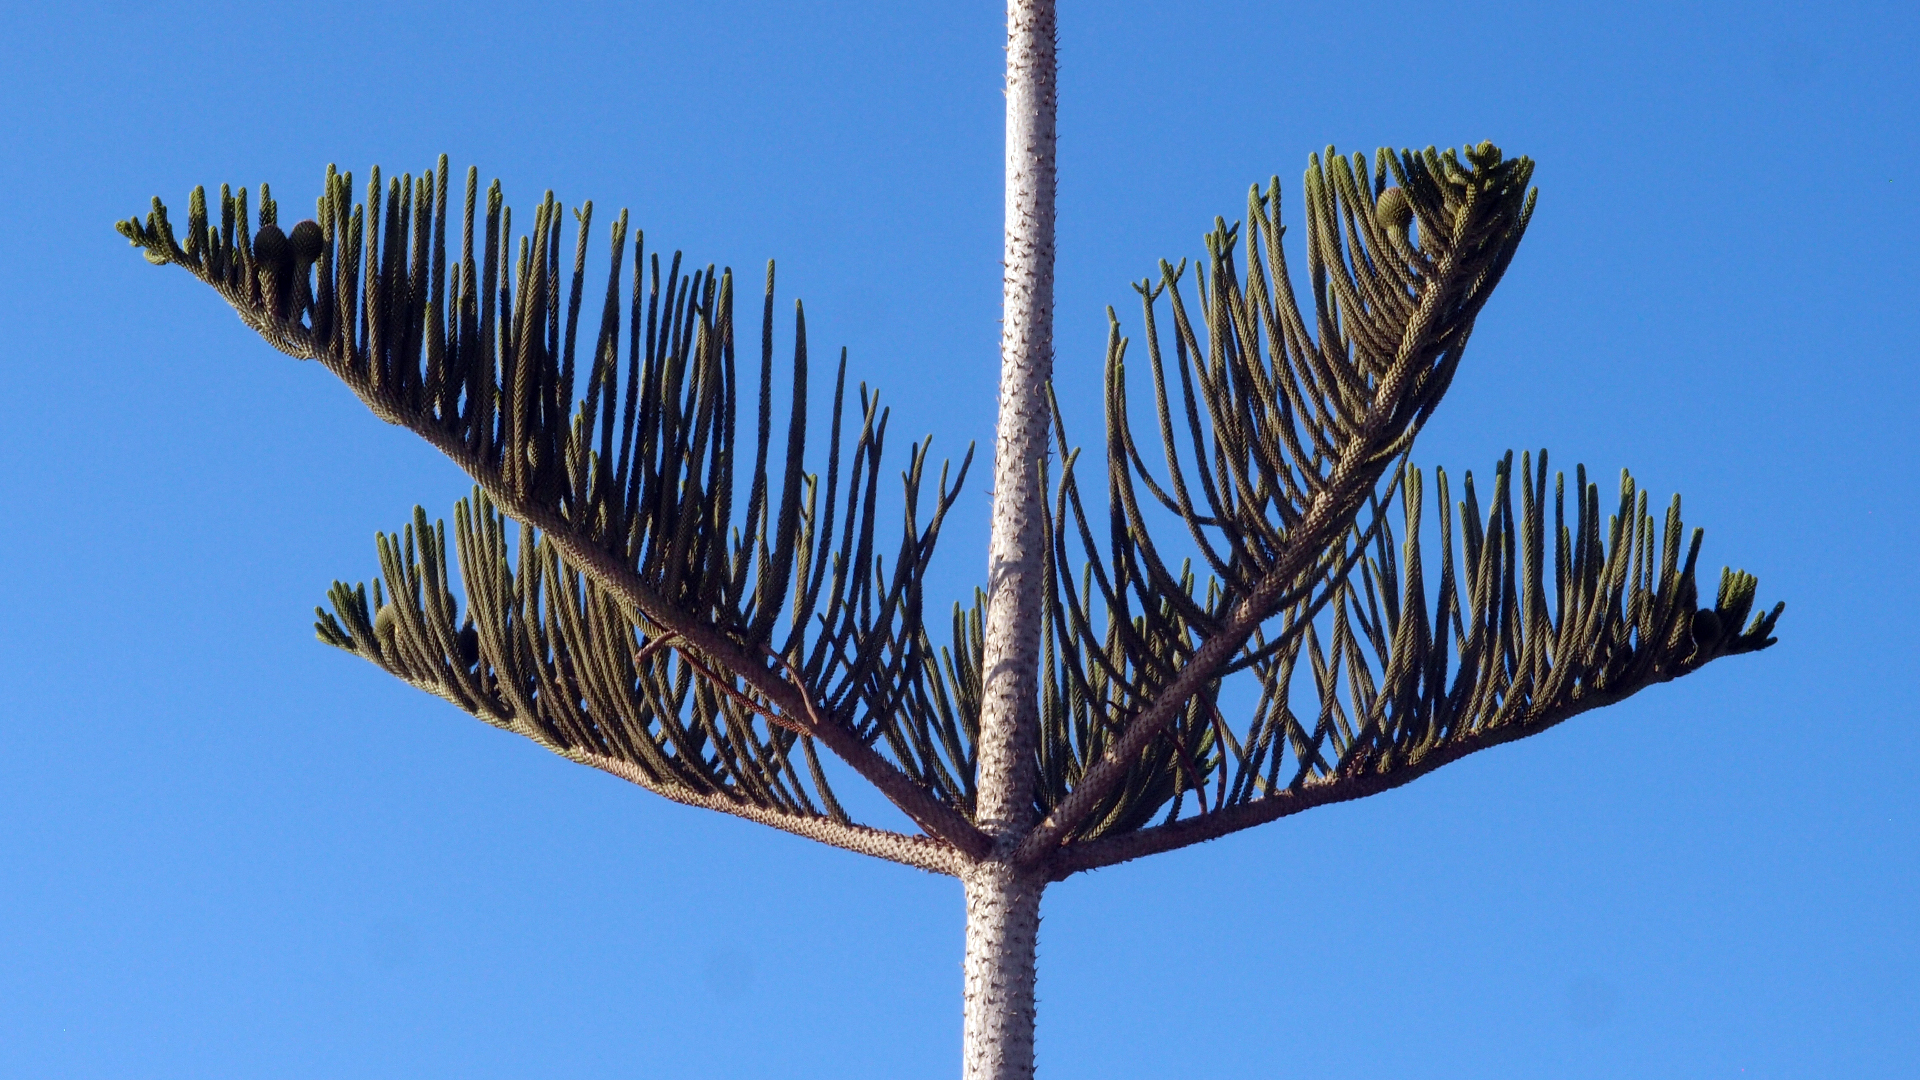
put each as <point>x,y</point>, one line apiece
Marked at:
<point>478,365</point>
<point>1542,634</point>
<point>1387,348</point>
<point>921,852</point>
<point>1201,669</point>
<point>619,580</point>
<point>1339,787</point>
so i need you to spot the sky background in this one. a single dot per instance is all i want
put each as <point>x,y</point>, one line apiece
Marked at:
<point>232,852</point>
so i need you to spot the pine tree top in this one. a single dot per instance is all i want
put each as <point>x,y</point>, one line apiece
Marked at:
<point>665,614</point>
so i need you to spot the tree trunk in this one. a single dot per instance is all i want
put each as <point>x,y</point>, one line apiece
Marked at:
<point>1016,557</point>
<point>1003,907</point>
<point>1003,923</point>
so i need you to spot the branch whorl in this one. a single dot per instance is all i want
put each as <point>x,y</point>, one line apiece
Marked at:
<point>1284,444</point>
<point>785,607</point>
<point>649,625</point>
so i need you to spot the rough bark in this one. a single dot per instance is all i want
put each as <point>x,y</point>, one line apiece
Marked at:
<point>1003,926</point>
<point>1003,904</point>
<point>1016,556</point>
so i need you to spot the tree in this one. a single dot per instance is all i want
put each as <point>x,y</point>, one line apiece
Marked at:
<point>703,619</point>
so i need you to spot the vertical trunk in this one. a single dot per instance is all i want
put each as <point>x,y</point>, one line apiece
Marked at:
<point>1016,558</point>
<point>1003,907</point>
<point>1003,924</point>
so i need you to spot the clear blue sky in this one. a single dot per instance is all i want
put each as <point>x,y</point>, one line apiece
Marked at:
<point>232,852</point>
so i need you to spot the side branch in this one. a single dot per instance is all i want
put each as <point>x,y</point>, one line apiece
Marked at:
<point>939,820</point>
<point>1539,634</point>
<point>1340,787</point>
<point>921,852</point>
<point>631,485</point>
<point>1322,523</point>
<point>1388,344</point>
<point>927,853</point>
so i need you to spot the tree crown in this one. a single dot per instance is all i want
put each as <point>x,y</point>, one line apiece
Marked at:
<point>701,615</point>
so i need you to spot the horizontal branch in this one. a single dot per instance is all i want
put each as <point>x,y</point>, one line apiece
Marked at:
<point>920,852</point>
<point>1337,788</point>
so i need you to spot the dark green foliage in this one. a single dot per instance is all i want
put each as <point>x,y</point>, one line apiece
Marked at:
<point>647,623</point>
<point>1515,624</point>
<point>554,658</point>
<point>479,357</point>
<point>1270,423</point>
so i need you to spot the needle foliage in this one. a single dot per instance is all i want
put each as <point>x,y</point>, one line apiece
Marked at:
<point>1252,609</point>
